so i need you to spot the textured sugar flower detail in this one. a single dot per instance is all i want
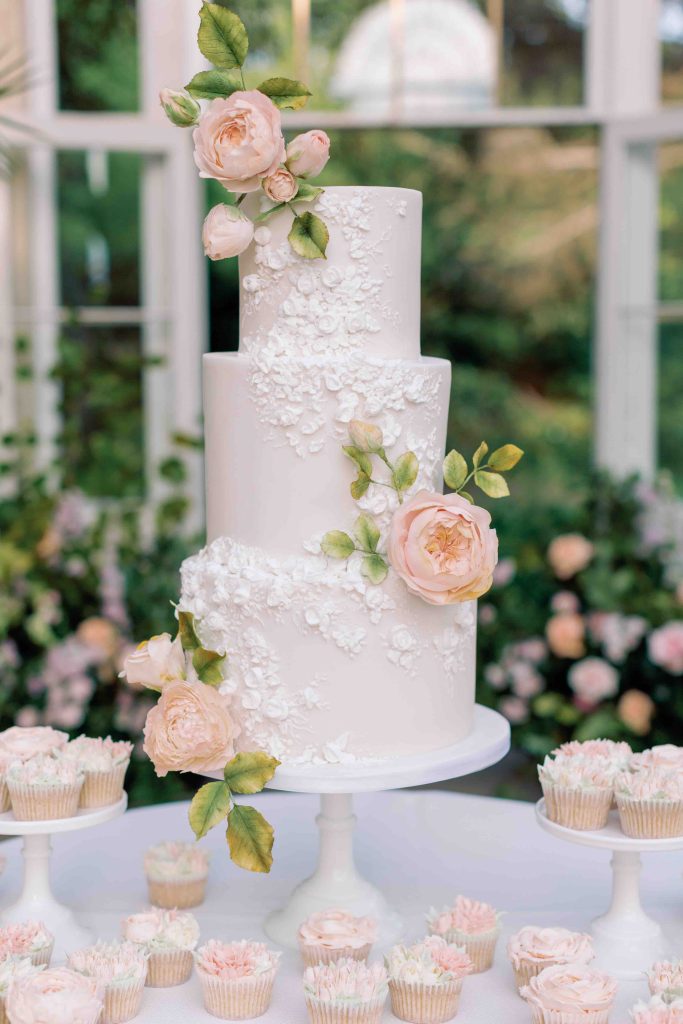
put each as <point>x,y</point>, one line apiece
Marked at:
<point>430,962</point>
<point>346,982</point>
<point>171,861</point>
<point>665,648</point>
<point>111,963</point>
<point>337,929</point>
<point>618,752</point>
<point>238,140</point>
<point>651,784</point>
<point>95,754</point>
<point>23,742</point>
<point>229,960</point>
<point>24,938</point>
<point>549,945</point>
<point>666,975</point>
<point>54,996</point>
<point>570,554</point>
<point>570,988</point>
<point>45,770</point>
<point>158,929</point>
<point>471,917</point>
<point>578,772</point>
<point>15,968</point>
<point>661,1009</point>
<point>190,729</point>
<point>665,755</point>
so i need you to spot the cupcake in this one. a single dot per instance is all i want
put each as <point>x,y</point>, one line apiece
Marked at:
<point>346,992</point>
<point>54,996</point>
<point>468,923</point>
<point>650,803</point>
<point>13,968</point>
<point>120,969</point>
<point>666,755</point>
<point>659,1010</point>
<point>616,753</point>
<point>531,950</point>
<point>578,790</point>
<point>104,763</point>
<point>168,937</point>
<point>666,976</point>
<point>29,938</point>
<point>335,934</point>
<point>24,742</point>
<point>44,788</point>
<point>569,994</point>
<point>236,978</point>
<point>6,761</point>
<point>176,874</point>
<point>425,980</point>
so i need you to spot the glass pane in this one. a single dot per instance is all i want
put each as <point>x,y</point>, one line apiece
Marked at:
<point>269,26</point>
<point>672,51</point>
<point>671,222</point>
<point>671,401</point>
<point>543,52</point>
<point>98,54</point>
<point>99,230</point>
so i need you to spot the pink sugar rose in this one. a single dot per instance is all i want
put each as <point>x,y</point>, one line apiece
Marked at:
<point>565,635</point>
<point>443,547</point>
<point>281,186</point>
<point>665,648</point>
<point>54,997</point>
<point>569,554</point>
<point>239,141</point>
<point>226,232</point>
<point>593,680</point>
<point>307,154</point>
<point>190,730</point>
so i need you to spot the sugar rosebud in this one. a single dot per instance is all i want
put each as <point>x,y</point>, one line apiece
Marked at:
<point>180,108</point>
<point>155,662</point>
<point>281,186</point>
<point>307,154</point>
<point>226,232</point>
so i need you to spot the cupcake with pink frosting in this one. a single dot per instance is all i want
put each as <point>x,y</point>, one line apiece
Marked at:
<point>27,938</point>
<point>236,978</point>
<point>335,934</point>
<point>169,938</point>
<point>346,992</point>
<point>569,994</point>
<point>616,753</point>
<point>54,996</point>
<point>104,763</point>
<point>665,756</point>
<point>44,788</point>
<point>176,874</point>
<point>650,803</point>
<point>659,1010</point>
<point>666,976</point>
<point>425,980</point>
<point>24,742</point>
<point>471,924</point>
<point>532,949</point>
<point>120,969</point>
<point>13,968</point>
<point>578,790</point>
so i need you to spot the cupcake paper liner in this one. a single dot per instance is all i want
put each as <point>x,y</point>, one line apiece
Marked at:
<point>650,819</point>
<point>42,957</point>
<point>103,788</point>
<point>480,948</point>
<point>237,998</point>
<point>169,967</point>
<point>581,809</point>
<point>122,1002</point>
<point>181,895</point>
<point>313,955</point>
<point>528,969</point>
<point>5,802</point>
<point>322,1012</point>
<point>541,1016</point>
<point>425,1004</point>
<point>43,803</point>
<point>3,1013</point>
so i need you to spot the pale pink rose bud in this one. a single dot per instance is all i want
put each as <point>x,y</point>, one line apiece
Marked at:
<point>190,730</point>
<point>226,232</point>
<point>281,187</point>
<point>180,108</point>
<point>155,662</point>
<point>307,154</point>
<point>239,141</point>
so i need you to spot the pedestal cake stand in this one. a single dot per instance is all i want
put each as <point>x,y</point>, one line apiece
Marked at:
<point>336,881</point>
<point>37,901</point>
<point>627,941</point>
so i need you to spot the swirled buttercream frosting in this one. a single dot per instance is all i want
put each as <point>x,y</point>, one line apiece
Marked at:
<point>471,917</point>
<point>337,929</point>
<point>549,946</point>
<point>346,982</point>
<point>229,960</point>
<point>430,962</point>
<point>176,862</point>
<point>158,929</point>
<point>570,988</point>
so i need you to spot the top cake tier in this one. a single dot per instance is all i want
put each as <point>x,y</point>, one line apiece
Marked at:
<point>364,298</point>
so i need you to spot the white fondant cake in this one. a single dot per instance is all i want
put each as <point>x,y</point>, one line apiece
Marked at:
<point>324,665</point>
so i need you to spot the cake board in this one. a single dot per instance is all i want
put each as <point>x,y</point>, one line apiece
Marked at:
<point>336,882</point>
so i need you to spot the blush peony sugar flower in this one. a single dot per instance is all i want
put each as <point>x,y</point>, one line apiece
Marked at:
<point>190,730</point>
<point>227,232</point>
<point>54,997</point>
<point>238,140</point>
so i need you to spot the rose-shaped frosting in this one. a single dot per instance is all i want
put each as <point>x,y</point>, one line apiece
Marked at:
<point>549,945</point>
<point>155,662</point>
<point>93,754</point>
<point>666,755</point>
<point>25,938</point>
<point>281,186</point>
<point>15,967</point>
<point>593,680</point>
<point>227,232</point>
<point>443,547</point>
<point>659,1010</point>
<point>307,154</point>
<point>565,635</point>
<point>45,770</point>
<point>176,861</point>
<point>471,917</point>
<point>569,554</point>
<point>55,996</point>
<point>620,753</point>
<point>23,742</point>
<point>337,929</point>
<point>111,963</point>
<point>162,929</point>
<point>241,959</point>
<point>666,974</point>
<point>346,981</point>
<point>577,772</point>
<point>665,647</point>
<point>190,730</point>
<point>239,140</point>
<point>571,988</point>
<point>430,962</point>
<point>651,784</point>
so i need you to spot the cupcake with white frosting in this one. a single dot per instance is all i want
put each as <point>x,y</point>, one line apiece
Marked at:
<point>13,968</point>
<point>120,968</point>
<point>236,978</point>
<point>569,993</point>
<point>104,763</point>
<point>666,976</point>
<point>617,753</point>
<point>425,980</point>
<point>55,996</point>
<point>23,742</point>
<point>169,938</point>
<point>335,934</point>
<point>44,788</point>
<point>650,803</point>
<point>532,949</point>
<point>27,938</point>
<point>6,761</point>
<point>176,874</point>
<point>578,790</point>
<point>665,756</point>
<point>346,992</point>
<point>660,1009</point>
<point>471,924</point>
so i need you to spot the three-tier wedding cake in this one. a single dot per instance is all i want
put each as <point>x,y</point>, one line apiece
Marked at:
<point>323,664</point>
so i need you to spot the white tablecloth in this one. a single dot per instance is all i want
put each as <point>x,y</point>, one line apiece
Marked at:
<point>421,847</point>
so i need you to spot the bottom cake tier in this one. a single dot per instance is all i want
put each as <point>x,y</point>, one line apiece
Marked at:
<point>322,665</point>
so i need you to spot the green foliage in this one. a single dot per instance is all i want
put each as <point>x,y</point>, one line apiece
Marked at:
<point>285,93</point>
<point>309,236</point>
<point>214,84</point>
<point>222,37</point>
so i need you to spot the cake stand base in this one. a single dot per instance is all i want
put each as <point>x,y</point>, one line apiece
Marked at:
<point>336,882</point>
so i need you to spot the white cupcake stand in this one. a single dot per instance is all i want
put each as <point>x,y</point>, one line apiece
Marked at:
<point>37,901</point>
<point>627,941</point>
<point>336,881</point>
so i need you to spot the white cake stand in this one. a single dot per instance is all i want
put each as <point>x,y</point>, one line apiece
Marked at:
<point>37,901</point>
<point>336,881</point>
<point>627,941</point>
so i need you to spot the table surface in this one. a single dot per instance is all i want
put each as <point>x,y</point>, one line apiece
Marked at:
<point>422,846</point>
